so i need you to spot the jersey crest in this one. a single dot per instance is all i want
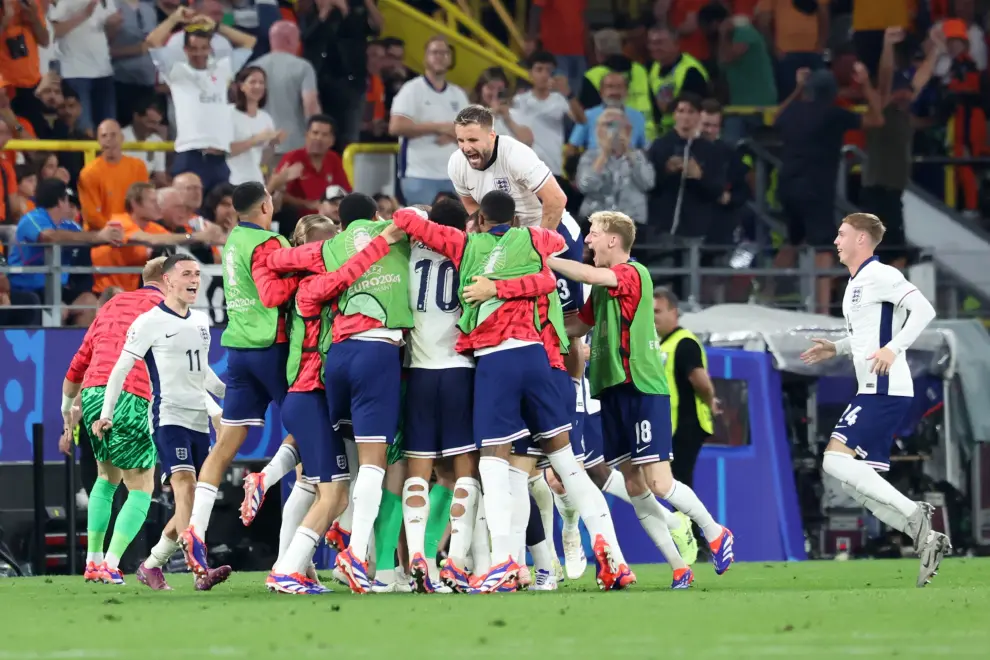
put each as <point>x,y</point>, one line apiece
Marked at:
<point>857,296</point>
<point>204,334</point>
<point>502,184</point>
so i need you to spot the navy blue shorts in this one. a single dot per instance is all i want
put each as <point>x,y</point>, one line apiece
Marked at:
<point>516,395</point>
<point>594,452</point>
<point>569,392</point>
<point>868,424</point>
<point>321,452</point>
<point>635,426</point>
<point>255,378</point>
<point>363,380</point>
<point>181,449</point>
<point>570,291</point>
<point>439,412</point>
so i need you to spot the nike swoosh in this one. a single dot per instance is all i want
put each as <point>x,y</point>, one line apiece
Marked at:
<point>171,335</point>
<point>640,450</point>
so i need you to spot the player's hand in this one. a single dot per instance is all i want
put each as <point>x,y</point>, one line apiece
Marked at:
<point>393,234</point>
<point>717,406</point>
<point>480,290</point>
<point>72,417</point>
<point>883,357</point>
<point>101,426</point>
<point>65,442</point>
<point>821,351</point>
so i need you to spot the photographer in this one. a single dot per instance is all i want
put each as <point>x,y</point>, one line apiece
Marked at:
<point>23,28</point>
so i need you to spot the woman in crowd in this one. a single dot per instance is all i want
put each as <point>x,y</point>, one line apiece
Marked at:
<point>254,131</point>
<point>492,91</point>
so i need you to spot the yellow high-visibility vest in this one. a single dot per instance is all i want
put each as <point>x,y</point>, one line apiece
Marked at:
<point>639,97</point>
<point>673,81</point>
<point>668,349</point>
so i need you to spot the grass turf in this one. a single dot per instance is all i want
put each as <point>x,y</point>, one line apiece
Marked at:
<point>810,609</point>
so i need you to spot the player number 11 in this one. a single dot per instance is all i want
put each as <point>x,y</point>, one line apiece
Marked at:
<point>191,354</point>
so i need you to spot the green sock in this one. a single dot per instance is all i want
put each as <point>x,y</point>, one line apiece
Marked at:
<point>129,521</point>
<point>440,499</point>
<point>387,527</point>
<point>98,518</point>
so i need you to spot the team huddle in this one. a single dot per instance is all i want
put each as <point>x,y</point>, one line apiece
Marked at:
<point>450,342</point>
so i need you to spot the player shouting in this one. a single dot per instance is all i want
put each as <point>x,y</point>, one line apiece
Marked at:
<point>884,315</point>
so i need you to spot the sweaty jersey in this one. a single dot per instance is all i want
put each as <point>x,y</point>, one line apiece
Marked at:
<point>433,286</point>
<point>104,339</point>
<point>176,351</point>
<point>873,310</point>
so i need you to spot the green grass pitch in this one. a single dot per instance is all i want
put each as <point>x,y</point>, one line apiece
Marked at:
<point>811,609</point>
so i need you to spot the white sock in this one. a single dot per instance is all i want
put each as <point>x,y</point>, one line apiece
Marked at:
<point>415,517</point>
<point>299,554</point>
<point>885,514</point>
<point>481,550</point>
<point>283,462</point>
<point>205,496</point>
<point>542,557</point>
<point>519,489</point>
<point>616,485</point>
<point>646,506</point>
<point>682,498</point>
<point>94,557</point>
<point>867,481</point>
<point>367,500</point>
<point>568,514</point>
<point>498,506</point>
<point>161,553</point>
<point>296,507</point>
<point>111,560</point>
<point>462,527</point>
<point>590,501</point>
<point>543,496</point>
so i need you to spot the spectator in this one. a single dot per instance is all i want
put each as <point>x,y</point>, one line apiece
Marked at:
<point>560,27</point>
<point>614,176</point>
<point>423,117</point>
<point>613,96</point>
<point>547,106</point>
<point>218,207</point>
<point>330,207</point>
<point>608,51</point>
<point>386,205</point>
<point>81,30</point>
<point>690,177</point>
<point>335,40</point>
<point>49,167</point>
<point>49,95</point>
<point>321,169</point>
<point>798,30</point>
<point>20,127</point>
<point>683,19</point>
<point>732,202</point>
<point>870,19</point>
<point>146,126</point>
<point>23,29</point>
<point>374,123</point>
<point>491,91</point>
<point>179,208</point>
<point>394,71</point>
<point>11,203</point>
<point>16,317</point>
<point>292,82</point>
<point>964,23</point>
<point>103,184</point>
<point>811,128</point>
<point>141,234</point>
<point>27,184</point>
<point>53,222</point>
<point>254,131</point>
<point>673,73</point>
<point>198,85</point>
<point>133,71</point>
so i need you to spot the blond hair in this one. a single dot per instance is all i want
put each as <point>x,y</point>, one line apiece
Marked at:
<point>154,270</point>
<point>867,222</point>
<point>613,222</point>
<point>309,223</point>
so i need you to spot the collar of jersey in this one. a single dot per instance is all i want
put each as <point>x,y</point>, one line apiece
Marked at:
<point>498,230</point>
<point>165,308</point>
<point>251,225</point>
<point>491,161</point>
<point>863,265</point>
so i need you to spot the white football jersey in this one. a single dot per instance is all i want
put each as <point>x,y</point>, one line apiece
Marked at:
<point>874,315</point>
<point>176,350</point>
<point>433,284</point>
<point>516,169</point>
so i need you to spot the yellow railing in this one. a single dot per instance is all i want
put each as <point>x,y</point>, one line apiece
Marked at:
<point>458,14</point>
<point>88,147</point>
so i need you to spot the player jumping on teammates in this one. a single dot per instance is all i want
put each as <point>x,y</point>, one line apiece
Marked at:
<point>174,342</point>
<point>628,377</point>
<point>884,315</point>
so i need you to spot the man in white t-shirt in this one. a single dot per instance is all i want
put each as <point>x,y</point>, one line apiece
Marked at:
<point>423,117</point>
<point>198,83</point>
<point>144,126</point>
<point>84,54</point>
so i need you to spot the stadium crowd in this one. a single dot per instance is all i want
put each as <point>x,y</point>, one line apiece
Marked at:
<point>629,117</point>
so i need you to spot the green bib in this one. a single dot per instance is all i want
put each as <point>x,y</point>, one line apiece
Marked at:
<point>382,293</point>
<point>668,351</point>
<point>645,363</point>
<point>298,344</point>
<point>249,323</point>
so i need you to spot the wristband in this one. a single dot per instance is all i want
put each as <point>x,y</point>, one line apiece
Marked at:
<point>67,403</point>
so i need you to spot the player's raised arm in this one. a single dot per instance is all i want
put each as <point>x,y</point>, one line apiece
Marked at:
<point>583,273</point>
<point>274,290</point>
<point>307,257</point>
<point>321,288</point>
<point>448,241</point>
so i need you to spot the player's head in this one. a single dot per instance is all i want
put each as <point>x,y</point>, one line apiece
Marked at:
<point>449,213</point>
<point>153,272</point>
<point>859,235</point>
<point>611,237</point>
<point>181,275</point>
<point>496,208</point>
<point>253,204</point>
<point>474,127</point>
<point>542,64</point>
<point>312,228</point>
<point>665,314</point>
<point>357,206</point>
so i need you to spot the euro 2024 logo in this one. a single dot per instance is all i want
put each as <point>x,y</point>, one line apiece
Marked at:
<point>359,240</point>
<point>496,261</point>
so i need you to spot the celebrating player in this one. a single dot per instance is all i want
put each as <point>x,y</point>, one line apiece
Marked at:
<point>627,376</point>
<point>174,342</point>
<point>884,315</point>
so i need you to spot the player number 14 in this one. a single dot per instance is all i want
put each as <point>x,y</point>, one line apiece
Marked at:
<point>194,355</point>
<point>849,415</point>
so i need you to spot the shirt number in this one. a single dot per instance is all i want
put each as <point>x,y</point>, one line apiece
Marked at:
<point>563,290</point>
<point>849,416</point>
<point>446,284</point>
<point>194,355</point>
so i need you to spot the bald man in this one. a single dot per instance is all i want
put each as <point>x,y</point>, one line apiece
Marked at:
<point>103,183</point>
<point>179,206</point>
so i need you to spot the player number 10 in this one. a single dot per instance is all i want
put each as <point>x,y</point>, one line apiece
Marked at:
<point>447,284</point>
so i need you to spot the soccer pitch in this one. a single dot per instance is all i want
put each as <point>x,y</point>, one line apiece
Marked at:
<point>810,609</point>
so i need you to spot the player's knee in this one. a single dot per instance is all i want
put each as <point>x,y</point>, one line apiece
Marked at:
<point>142,480</point>
<point>183,485</point>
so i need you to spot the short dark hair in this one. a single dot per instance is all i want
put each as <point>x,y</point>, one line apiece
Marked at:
<point>322,119</point>
<point>389,42</point>
<point>690,98</point>
<point>69,93</point>
<point>711,106</point>
<point>356,206</point>
<point>237,96</point>
<point>50,192</point>
<point>666,293</point>
<point>247,195</point>
<point>449,213</point>
<point>475,114</point>
<point>541,57</point>
<point>712,13</point>
<point>146,103</point>
<point>196,34</point>
<point>498,207</point>
<point>176,258</point>
<point>214,197</point>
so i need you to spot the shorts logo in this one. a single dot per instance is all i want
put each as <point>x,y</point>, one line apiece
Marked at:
<point>342,461</point>
<point>181,453</point>
<point>857,296</point>
<point>502,184</point>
